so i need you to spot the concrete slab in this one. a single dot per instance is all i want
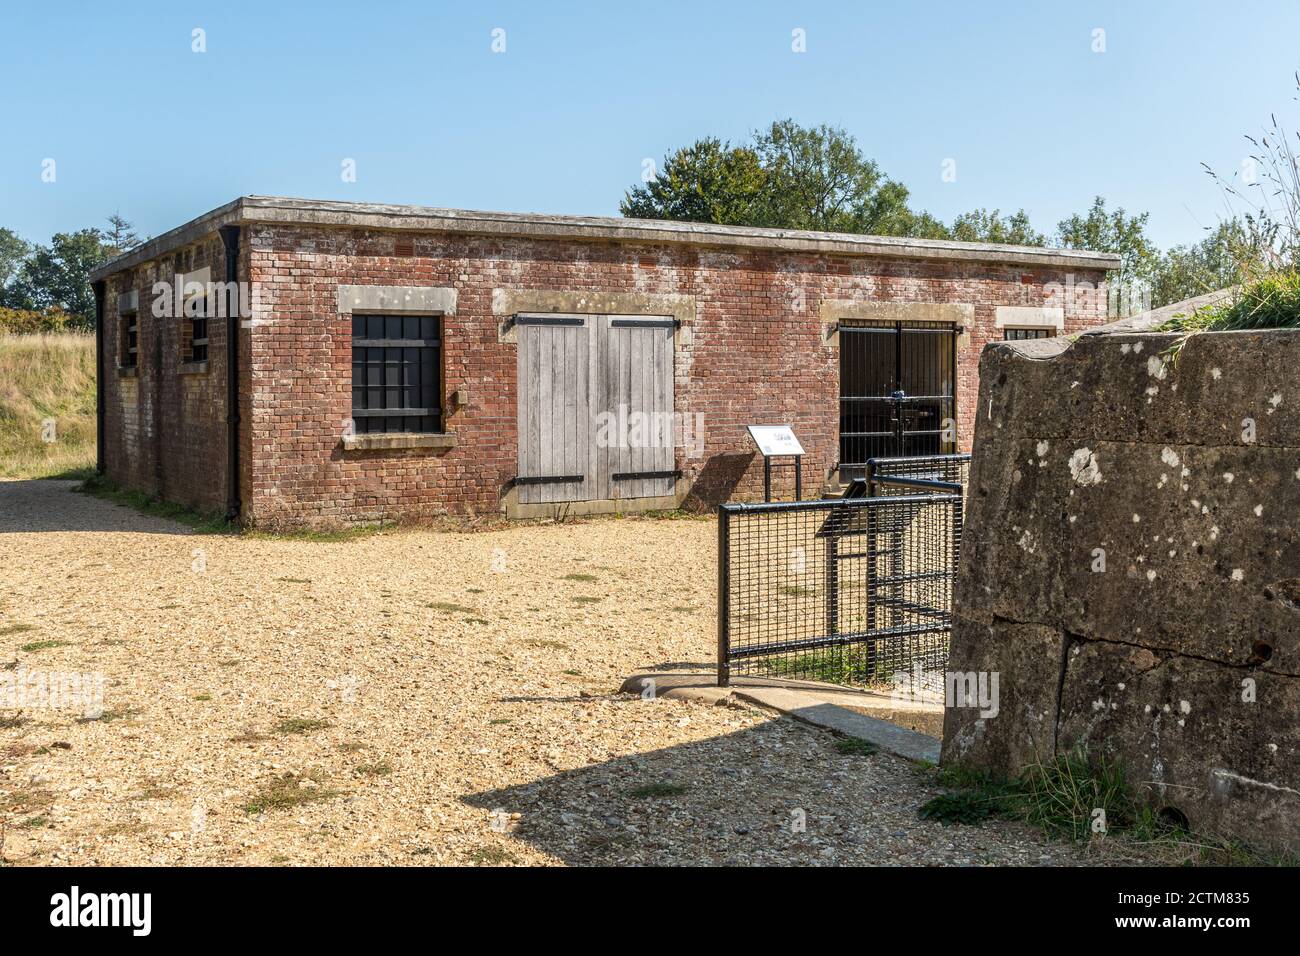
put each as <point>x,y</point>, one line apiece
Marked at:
<point>824,705</point>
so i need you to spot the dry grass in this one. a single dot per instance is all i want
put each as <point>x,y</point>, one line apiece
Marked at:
<point>46,378</point>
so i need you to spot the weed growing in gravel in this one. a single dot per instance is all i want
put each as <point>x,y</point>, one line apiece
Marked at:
<point>14,722</point>
<point>286,791</point>
<point>109,716</point>
<point>249,736</point>
<point>44,645</point>
<point>654,790</point>
<point>451,608</point>
<point>580,577</point>
<point>490,856</point>
<point>855,747</point>
<point>321,535</point>
<point>300,725</point>
<point>548,645</point>
<point>154,791</point>
<point>15,629</point>
<point>203,697</point>
<point>35,823</point>
<point>375,769</point>
<point>964,807</point>
<point>585,599</point>
<point>1062,798</point>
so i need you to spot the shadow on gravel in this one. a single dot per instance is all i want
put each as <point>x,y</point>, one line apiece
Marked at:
<point>722,801</point>
<point>47,504</point>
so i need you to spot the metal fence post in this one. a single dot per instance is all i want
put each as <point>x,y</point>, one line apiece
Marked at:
<point>724,596</point>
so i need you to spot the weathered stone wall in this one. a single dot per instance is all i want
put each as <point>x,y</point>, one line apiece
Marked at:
<point>1131,569</point>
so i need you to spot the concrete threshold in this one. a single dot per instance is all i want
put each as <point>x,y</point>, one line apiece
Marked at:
<point>822,705</point>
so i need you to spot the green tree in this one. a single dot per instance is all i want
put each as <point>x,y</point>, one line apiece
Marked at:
<point>13,251</point>
<point>709,181</point>
<point>57,276</point>
<point>120,235</point>
<point>1235,251</point>
<point>1104,231</point>
<point>792,177</point>
<point>980,225</point>
<point>819,179</point>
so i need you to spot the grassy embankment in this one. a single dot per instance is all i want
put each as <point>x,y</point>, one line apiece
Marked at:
<point>47,391</point>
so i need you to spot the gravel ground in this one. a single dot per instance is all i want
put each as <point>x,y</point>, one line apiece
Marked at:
<point>413,697</point>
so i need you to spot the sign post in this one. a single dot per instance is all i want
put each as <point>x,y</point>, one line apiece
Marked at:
<point>778,441</point>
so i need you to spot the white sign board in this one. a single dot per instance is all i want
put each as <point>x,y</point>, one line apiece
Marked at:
<point>775,440</point>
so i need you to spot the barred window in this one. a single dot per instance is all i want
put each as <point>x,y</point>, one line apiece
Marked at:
<point>396,372</point>
<point>1015,335</point>
<point>199,338</point>
<point>129,338</point>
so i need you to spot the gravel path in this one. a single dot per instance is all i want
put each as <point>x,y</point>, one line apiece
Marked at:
<point>412,697</point>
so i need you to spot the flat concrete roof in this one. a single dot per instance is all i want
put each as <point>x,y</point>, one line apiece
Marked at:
<point>378,216</point>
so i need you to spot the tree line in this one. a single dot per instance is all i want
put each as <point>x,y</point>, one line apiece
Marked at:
<point>796,177</point>
<point>47,287</point>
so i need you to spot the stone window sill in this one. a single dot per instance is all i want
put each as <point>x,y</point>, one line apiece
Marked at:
<point>398,441</point>
<point>127,371</point>
<point>192,368</point>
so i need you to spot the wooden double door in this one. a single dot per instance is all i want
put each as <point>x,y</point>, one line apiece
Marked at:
<point>596,407</point>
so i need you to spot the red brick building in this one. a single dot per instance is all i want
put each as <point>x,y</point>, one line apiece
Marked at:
<point>397,361</point>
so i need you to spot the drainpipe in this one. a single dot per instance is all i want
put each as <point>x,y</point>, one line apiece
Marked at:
<point>99,289</point>
<point>230,239</point>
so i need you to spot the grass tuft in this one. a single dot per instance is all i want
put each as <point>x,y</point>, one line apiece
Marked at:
<point>287,791</point>
<point>655,790</point>
<point>855,747</point>
<point>300,725</point>
<point>44,645</point>
<point>1272,302</point>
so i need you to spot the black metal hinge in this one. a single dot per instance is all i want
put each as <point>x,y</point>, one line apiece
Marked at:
<point>644,324</point>
<point>635,475</point>
<point>548,320</point>
<point>548,479</point>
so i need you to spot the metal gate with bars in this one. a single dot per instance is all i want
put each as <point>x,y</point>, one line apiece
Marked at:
<point>897,389</point>
<point>853,590</point>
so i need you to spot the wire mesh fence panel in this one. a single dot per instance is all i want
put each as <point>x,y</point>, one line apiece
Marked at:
<point>952,468</point>
<point>849,591</point>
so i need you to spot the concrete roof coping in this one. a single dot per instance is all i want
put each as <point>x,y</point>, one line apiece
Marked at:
<point>379,216</point>
<point>1154,318</point>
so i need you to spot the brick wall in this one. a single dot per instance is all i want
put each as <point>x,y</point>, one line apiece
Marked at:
<point>164,426</point>
<point>757,355</point>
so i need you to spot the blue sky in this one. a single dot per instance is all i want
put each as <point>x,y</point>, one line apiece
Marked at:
<point>561,121</point>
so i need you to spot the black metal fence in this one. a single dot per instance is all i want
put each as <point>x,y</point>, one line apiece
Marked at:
<point>852,590</point>
<point>953,469</point>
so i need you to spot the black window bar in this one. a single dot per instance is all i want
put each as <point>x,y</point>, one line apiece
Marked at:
<point>130,338</point>
<point>1016,335</point>
<point>396,373</point>
<point>199,339</point>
